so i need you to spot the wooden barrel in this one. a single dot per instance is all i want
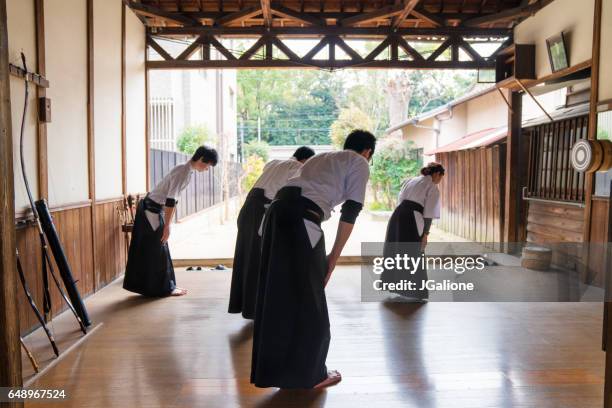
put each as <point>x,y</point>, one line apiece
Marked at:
<point>536,257</point>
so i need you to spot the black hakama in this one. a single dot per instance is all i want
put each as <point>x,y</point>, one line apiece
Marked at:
<point>291,336</point>
<point>247,255</point>
<point>149,269</point>
<point>403,237</point>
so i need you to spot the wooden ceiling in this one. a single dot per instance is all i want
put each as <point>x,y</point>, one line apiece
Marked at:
<point>346,14</point>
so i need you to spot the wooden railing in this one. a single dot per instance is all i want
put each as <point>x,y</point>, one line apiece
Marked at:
<point>204,190</point>
<point>550,172</point>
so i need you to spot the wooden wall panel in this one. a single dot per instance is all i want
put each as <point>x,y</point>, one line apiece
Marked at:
<point>550,222</point>
<point>111,249</point>
<point>599,233</point>
<point>472,193</point>
<point>75,232</point>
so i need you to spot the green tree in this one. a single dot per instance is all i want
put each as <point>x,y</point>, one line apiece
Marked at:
<point>257,148</point>
<point>193,137</point>
<point>393,162</point>
<point>350,118</point>
<point>253,167</point>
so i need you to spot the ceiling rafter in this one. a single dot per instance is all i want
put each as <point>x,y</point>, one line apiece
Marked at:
<point>146,10</point>
<point>408,7</point>
<point>523,10</point>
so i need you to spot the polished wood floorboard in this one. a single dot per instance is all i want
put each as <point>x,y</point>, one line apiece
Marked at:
<point>188,352</point>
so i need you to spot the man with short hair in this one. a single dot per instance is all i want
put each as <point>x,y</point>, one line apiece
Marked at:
<point>149,269</point>
<point>291,335</point>
<point>247,253</point>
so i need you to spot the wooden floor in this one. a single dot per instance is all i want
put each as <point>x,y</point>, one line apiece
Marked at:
<point>188,352</point>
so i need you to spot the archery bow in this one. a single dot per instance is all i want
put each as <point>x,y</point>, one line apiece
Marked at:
<point>46,261</point>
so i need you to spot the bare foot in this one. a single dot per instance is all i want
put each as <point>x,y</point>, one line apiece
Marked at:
<point>178,292</point>
<point>333,378</point>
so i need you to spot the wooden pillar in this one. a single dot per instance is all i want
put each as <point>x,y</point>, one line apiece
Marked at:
<point>123,106</point>
<point>589,182</point>
<point>10,352</point>
<point>91,140</point>
<point>512,200</point>
<point>43,178</point>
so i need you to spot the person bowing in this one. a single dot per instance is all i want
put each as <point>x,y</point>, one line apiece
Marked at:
<point>291,331</point>
<point>247,252</point>
<point>149,269</point>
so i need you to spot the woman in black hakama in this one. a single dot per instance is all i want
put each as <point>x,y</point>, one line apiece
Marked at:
<point>149,269</point>
<point>408,228</point>
<point>247,254</point>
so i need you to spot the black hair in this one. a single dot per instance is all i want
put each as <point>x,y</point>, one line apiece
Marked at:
<point>432,168</point>
<point>206,155</point>
<point>303,153</point>
<point>360,140</point>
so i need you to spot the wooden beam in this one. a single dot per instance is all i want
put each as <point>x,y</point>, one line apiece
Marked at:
<point>408,48</point>
<point>313,63</point>
<point>191,49</point>
<point>347,49</point>
<point>158,48</point>
<point>512,183</point>
<point>348,32</point>
<point>10,351</point>
<point>91,140</point>
<point>254,48</point>
<point>379,48</point>
<point>409,6</point>
<point>447,43</point>
<point>304,18</point>
<point>469,50</point>
<point>123,106</point>
<point>315,50</point>
<point>432,19</point>
<point>238,17</point>
<point>217,44</point>
<point>41,68</point>
<point>152,11</point>
<point>381,13</point>
<point>506,15</point>
<point>267,13</point>
<point>286,50</point>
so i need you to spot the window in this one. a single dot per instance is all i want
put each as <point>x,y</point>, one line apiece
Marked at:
<point>550,172</point>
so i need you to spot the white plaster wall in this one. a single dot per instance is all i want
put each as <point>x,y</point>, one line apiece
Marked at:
<point>135,107</point>
<point>107,97</point>
<point>66,54</point>
<point>605,77</point>
<point>22,37</point>
<point>572,16</point>
<point>486,111</point>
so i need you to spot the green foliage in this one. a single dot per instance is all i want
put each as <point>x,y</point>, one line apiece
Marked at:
<point>257,148</point>
<point>294,107</point>
<point>253,167</point>
<point>193,137</point>
<point>349,119</point>
<point>393,162</point>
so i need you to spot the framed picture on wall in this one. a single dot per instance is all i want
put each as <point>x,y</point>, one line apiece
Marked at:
<point>557,52</point>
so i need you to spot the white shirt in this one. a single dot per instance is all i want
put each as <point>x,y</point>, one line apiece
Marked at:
<point>422,190</point>
<point>172,184</point>
<point>332,178</point>
<point>275,175</point>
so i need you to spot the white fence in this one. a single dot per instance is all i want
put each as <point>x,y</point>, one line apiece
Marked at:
<point>161,124</point>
